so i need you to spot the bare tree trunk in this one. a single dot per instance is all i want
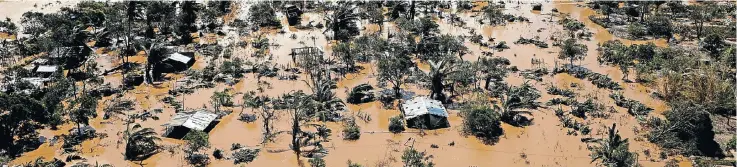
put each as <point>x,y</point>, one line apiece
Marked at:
<point>412,10</point>
<point>295,132</point>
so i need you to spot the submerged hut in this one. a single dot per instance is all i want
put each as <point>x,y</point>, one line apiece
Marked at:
<point>183,122</point>
<point>425,113</point>
<point>293,13</point>
<point>537,7</point>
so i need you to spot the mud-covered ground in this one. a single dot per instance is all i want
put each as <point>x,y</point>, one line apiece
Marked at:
<point>544,143</point>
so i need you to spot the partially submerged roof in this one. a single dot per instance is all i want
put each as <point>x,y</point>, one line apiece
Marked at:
<point>46,68</point>
<point>197,121</point>
<point>179,57</point>
<point>423,105</point>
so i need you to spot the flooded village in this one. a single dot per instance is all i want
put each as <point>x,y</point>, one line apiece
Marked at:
<point>368,83</point>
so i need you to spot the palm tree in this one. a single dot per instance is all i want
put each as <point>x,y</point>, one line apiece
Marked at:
<point>440,71</point>
<point>141,143</point>
<point>612,151</point>
<point>516,98</point>
<point>342,22</point>
<point>326,103</point>
<point>250,100</point>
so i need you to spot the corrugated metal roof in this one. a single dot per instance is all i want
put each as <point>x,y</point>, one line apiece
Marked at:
<point>180,58</point>
<point>197,121</point>
<point>46,69</point>
<point>423,105</point>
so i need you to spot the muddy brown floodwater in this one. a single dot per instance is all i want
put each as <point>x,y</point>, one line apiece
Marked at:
<point>543,143</point>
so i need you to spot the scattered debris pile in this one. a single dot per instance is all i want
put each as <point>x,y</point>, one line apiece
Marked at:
<point>534,41</point>
<point>569,122</point>
<point>553,90</point>
<point>534,74</point>
<point>588,107</point>
<point>245,155</point>
<point>563,101</point>
<point>104,90</point>
<point>633,107</point>
<point>601,81</point>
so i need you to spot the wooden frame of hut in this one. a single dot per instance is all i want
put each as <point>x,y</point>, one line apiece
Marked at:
<point>306,52</point>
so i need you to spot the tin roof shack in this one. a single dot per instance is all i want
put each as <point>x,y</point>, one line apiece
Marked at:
<point>183,122</point>
<point>425,113</point>
<point>45,71</point>
<point>293,13</point>
<point>177,61</point>
<point>69,56</point>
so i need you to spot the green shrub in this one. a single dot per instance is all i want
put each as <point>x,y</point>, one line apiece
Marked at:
<point>317,162</point>
<point>197,140</point>
<point>396,125</point>
<point>573,24</point>
<point>659,25</point>
<point>556,101</point>
<point>198,159</point>
<point>482,122</point>
<point>580,109</point>
<point>218,154</point>
<point>553,90</point>
<point>351,131</point>
<point>361,94</point>
<point>245,155</point>
<point>636,30</point>
<point>263,15</point>
<point>414,158</point>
